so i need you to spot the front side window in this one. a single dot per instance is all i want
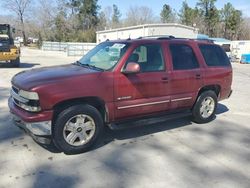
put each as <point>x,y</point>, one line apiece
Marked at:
<point>214,55</point>
<point>105,55</point>
<point>149,57</point>
<point>183,57</point>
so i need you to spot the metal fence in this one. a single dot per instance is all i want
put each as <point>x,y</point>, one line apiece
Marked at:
<point>54,46</point>
<point>72,49</point>
<point>79,49</point>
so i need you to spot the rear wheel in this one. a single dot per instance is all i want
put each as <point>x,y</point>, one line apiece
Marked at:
<point>16,62</point>
<point>204,108</point>
<point>77,128</point>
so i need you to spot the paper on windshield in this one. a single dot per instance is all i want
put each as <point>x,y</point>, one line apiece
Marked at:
<point>118,45</point>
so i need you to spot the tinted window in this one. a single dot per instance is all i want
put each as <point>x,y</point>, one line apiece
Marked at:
<point>226,47</point>
<point>183,57</point>
<point>149,57</point>
<point>214,55</point>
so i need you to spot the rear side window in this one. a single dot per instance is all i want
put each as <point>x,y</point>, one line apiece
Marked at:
<point>214,55</point>
<point>183,57</point>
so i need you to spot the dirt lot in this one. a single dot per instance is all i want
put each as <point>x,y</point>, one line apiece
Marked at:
<point>173,154</point>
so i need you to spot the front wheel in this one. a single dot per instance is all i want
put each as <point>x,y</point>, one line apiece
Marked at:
<point>77,128</point>
<point>204,108</point>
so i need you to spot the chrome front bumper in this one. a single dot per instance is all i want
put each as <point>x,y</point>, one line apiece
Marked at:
<point>40,131</point>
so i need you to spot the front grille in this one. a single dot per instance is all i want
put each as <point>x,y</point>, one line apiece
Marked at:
<point>16,90</point>
<point>17,99</point>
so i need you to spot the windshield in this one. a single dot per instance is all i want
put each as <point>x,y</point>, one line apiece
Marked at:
<point>4,34</point>
<point>105,55</point>
<point>4,31</point>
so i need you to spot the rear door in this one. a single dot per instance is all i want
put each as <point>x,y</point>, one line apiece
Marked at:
<point>186,75</point>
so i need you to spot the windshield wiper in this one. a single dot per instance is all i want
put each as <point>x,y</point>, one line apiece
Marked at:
<point>77,63</point>
<point>88,65</point>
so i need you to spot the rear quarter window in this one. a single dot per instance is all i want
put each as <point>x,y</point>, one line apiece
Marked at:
<point>226,47</point>
<point>214,55</point>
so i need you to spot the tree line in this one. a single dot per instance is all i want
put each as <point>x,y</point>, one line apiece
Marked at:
<point>78,20</point>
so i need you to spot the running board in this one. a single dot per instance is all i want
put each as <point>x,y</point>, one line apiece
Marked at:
<point>148,120</point>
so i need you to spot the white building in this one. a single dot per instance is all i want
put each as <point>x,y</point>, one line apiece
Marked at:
<point>176,30</point>
<point>238,48</point>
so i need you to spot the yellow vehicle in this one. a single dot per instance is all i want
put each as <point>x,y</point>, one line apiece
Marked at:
<point>8,51</point>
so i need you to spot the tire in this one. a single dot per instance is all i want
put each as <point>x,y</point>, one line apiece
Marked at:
<point>205,107</point>
<point>77,128</point>
<point>16,62</point>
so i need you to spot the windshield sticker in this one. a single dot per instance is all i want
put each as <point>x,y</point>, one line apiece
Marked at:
<point>118,45</point>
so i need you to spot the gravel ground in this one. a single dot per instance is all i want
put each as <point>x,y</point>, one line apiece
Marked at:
<point>176,153</point>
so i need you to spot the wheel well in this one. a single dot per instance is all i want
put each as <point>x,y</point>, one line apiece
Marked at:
<point>215,88</point>
<point>96,102</point>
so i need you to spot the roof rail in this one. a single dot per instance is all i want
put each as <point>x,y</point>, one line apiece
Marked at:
<point>168,37</point>
<point>205,40</point>
<point>158,37</point>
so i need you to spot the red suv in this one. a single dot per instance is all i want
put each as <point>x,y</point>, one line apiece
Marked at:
<point>118,83</point>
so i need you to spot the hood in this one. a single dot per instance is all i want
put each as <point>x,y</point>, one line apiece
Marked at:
<point>36,77</point>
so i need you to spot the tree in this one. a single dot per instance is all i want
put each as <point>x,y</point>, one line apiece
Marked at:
<point>77,20</point>
<point>44,19</point>
<point>88,13</point>
<point>188,16</point>
<point>72,5</point>
<point>60,27</point>
<point>167,14</point>
<point>210,16</point>
<point>105,18</point>
<point>139,15</point>
<point>19,7</point>
<point>115,16</point>
<point>232,21</point>
<point>103,22</point>
<point>245,30</point>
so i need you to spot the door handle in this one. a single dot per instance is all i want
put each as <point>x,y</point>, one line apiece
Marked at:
<point>198,76</point>
<point>164,79</point>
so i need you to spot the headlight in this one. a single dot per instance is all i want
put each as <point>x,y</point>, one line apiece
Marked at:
<point>29,95</point>
<point>26,100</point>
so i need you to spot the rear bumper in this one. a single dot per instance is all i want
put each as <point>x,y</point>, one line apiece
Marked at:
<point>38,125</point>
<point>225,94</point>
<point>230,93</point>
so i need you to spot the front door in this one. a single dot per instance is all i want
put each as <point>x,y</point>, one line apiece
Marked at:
<point>145,92</point>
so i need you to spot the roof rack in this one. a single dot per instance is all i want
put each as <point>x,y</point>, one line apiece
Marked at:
<point>205,40</point>
<point>158,37</point>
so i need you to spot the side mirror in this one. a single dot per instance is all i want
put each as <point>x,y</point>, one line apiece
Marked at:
<point>132,68</point>
<point>13,30</point>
